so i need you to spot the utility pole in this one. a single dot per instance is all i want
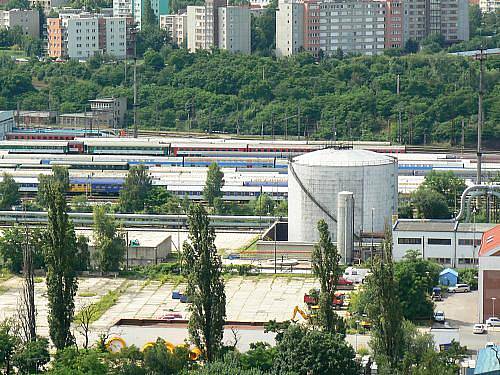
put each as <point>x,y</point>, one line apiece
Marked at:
<point>399,111</point>
<point>480,116</point>
<point>298,123</point>
<point>462,141</point>
<point>135,96</point>
<point>334,131</point>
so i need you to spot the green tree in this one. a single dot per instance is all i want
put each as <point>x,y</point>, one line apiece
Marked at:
<point>468,276</point>
<point>62,284</point>
<point>430,204</point>
<point>12,244</point>
<point>260,356</point>
<point>32,356</point>
<point>9,340</point>
<point>447,184</point>
<point>305,351</point>
<point>59,178</point>
<point>158,360</point>
<point>205,287</point>
<point>74,361</point>
<point>83,253</point>
<point>9,192</point>
<point>325,260</point>
<point>384,310</point>
<point>148,16</point>
<point>213,184</point>
<point>262,205</point>
<point>136,189</point>
<point>153,59</point>
<point>230,364</point>
<point>109,244</point>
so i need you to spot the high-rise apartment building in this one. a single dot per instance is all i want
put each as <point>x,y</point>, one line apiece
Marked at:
<point>176,25</point>
<point>80,36</point>
<point>234,29</point>
<point>488,6</point>
<point>27,19</point>
<point>365,26</point>
<point>289,27</point>
<point>135,9</point>
<point>447,17</point>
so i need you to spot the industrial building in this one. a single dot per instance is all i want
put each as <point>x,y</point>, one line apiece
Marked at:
<point>489,274</point>
<point>144,247</point>
<point>110,111</point>
<point>367,181</point>
<point>447,242</point>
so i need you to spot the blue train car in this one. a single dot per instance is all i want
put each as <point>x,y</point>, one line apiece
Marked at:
<point>98,186</point>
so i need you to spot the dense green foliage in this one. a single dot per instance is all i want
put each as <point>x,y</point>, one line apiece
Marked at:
<point>356,94</point>
<point>108,242</point>
<point>325,260</point>
<point>13,243</point>
<point>59,179</point>
<point>205,288</point>
<point>135,190</point>
<point>9,192</point>
<point>213,184</point>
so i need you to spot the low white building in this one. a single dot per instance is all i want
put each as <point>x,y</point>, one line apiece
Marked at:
<point>27,19</point>
<point>446,242</point>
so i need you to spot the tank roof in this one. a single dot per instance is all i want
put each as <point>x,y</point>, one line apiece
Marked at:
<point>343,158</point>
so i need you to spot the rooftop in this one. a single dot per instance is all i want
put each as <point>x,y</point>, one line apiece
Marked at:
<point>490,243</point>
<point>343,158</point>
<point>487,362</point>
<point>436,225</point>
<point>145,238</point>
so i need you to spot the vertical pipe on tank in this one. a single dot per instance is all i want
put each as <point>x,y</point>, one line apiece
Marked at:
<point>345,225</point>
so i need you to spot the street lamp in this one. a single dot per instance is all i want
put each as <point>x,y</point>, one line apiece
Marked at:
<point>493,299</point>
<point>356,336</point>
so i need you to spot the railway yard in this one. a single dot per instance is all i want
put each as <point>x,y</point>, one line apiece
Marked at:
<point>98,167</point>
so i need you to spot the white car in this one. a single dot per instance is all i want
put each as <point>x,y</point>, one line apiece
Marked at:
<point>459,288</point>
<point>493,322</point>
<point>479,328</point>
<point>439,317</point>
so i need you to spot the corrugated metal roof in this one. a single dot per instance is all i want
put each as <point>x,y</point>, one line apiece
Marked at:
<point>343,158</point>
<point>425,226</point>
<point>487,362</point>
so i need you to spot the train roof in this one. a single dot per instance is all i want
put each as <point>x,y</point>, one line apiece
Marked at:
<point>33,143</point>
<point>101,180</point>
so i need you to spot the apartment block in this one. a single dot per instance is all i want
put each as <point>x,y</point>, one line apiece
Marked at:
<point>27,19</point>
<point>135,9</point>
<point>203,25</point>
<point>365,26</point>
<point>489,6</point>
<point>447,17</point>
<point>289,27</point>
<point>176,25</point>
<point>81,36</point>
<point>234,29</point>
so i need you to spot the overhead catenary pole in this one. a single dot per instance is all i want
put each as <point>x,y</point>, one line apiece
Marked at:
<point>135,97</point>
<point>480,116</point>
<point>399,110</point>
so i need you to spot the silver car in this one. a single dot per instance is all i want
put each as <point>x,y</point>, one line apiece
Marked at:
<point>459,288</point>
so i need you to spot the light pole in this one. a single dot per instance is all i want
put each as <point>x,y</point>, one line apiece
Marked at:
<point>493,299</point>
<point>371,248</point>
<point>473,237</point>
<point>356,336</point>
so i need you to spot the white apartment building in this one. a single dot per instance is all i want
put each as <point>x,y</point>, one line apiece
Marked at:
<point>176,25</point>
<point>446,242</point>
<point>115,36</point>
<point>203,24</point>
<point>234,29</point>
<point>81,36</point>
<point>289,27</point>
<point>27,19</point>
<point>352,26</point>
<point>489,6</point>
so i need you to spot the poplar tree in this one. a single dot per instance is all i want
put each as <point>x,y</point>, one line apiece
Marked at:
<point>9,192</point>
<point>109,244</point>
<point>214,184</point>
<point>60,249</point>
<point>136,189</point>
<point>325,266</point>
<point>205,288</point>
<point>384,310</point>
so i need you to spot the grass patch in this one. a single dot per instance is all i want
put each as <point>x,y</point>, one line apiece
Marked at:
<point>38,280</point>
<point>5,275</point>
<point>3,289</point>
<point>250,245</point>
<point>87,294</point>
<point>105,303</point>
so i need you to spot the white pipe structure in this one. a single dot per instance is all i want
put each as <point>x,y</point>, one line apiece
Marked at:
<point>471,191</point>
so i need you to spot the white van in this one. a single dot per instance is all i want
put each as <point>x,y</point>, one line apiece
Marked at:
<point>356,275</point>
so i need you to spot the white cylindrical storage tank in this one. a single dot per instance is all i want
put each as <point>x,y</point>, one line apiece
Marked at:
<point>345,225</point>
<point>316,178</point>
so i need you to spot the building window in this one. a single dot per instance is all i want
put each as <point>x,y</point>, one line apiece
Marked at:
<point>439,241</point>
<point>409,241</point>
<point>468,242</point>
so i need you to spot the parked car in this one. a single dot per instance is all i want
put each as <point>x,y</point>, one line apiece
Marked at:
<point>344,281</point>
<point>439,317</point>
<point>459,288</point>
<point>436,294</point>
<point>479,328</point>
<point>493,322</point>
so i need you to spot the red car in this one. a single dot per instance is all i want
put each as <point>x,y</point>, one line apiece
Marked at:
<point>343,281</point>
